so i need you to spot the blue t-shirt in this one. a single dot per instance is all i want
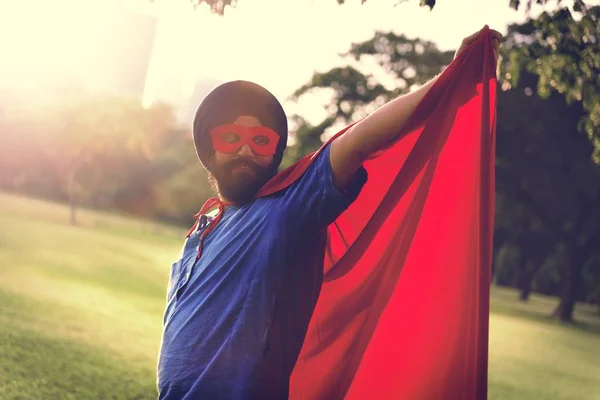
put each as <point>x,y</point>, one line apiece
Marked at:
<point>236,317</point>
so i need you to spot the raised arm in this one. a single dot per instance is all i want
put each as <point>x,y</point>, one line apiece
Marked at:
<point>351,149</point>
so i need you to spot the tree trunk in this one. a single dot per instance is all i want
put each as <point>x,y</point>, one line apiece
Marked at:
<point>570,284</point>
<point>525,292</point>
<point>526,278</point>
<point>71,194</point>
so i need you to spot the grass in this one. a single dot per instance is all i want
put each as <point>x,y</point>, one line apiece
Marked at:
<point>534,357</point>
<point>81,312</point>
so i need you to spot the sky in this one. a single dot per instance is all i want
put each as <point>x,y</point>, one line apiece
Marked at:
<point>276,43</point>
<point>281,43</point>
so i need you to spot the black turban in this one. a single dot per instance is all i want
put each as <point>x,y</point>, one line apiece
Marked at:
<point>228,101</point>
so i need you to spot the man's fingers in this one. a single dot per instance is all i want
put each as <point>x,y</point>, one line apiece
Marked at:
<point>471,38</point>
<point>496,35</point>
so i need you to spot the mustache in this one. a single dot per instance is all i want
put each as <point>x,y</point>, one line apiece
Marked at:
<point>242,162</point>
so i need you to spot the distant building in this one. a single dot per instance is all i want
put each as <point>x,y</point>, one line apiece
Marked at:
<point>119,52</point>
<point>104,49</point>
<point>202,88</point>
<point>173,75</point>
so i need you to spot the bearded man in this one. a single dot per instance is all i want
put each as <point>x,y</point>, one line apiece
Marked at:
<point>242,294</point>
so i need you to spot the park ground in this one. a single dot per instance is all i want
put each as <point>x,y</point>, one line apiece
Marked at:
<point>81,311</point>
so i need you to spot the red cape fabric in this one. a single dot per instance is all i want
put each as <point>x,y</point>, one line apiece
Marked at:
<point>404,308</point>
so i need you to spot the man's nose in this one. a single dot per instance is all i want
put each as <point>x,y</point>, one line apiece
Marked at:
<point>246,151</point>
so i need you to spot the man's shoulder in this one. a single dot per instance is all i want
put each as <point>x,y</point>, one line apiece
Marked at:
<point>268,203</point>
<point>272,209</point>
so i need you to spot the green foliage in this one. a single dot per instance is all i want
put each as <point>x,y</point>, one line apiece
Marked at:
<point>544,163</point>
<point>548,188</point>
<point>308,139</point>
<point>219,6</point>
<point>351,89</point>
<point>103,152</point>
<point>404,61</point>
<point>410,61</point>
<point>564,53</point>
<point>516,4</point>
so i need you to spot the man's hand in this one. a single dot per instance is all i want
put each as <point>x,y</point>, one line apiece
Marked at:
<point>497,37</point>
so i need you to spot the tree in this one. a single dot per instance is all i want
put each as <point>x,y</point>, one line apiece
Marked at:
<point>522,243</point>
<point>407,62</point>
<point>26,137</point>
<point>93,139</point>
<point>564,54</point>
<point>181,185</point>
<point>106,153</point>
<point>219,6</point>
<point>544,166</point>
<point>592,280</point>
<point>555,57</point>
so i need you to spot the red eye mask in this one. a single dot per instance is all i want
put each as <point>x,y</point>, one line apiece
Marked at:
<point>229,138</point>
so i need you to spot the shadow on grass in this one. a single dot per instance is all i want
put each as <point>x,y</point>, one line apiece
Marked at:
<point>39,367</point>
<point>590,313</point>
<point>547,319</point>
<point>39,361</point>
<point>505,304</point>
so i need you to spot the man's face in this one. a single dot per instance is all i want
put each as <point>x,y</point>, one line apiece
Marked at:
<point>238,176</point>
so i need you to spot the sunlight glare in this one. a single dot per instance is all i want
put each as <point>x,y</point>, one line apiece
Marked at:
<point>49,43</point>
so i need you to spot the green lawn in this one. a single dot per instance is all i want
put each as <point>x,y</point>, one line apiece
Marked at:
<point>81,311</point>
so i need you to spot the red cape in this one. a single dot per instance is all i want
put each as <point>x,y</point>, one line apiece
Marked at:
<point>404,308</point>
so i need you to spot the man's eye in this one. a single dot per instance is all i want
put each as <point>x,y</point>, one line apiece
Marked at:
<point>261,140</point>
<point>231,137</point>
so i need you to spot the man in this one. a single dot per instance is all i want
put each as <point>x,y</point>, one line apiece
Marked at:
<point>242,294</point>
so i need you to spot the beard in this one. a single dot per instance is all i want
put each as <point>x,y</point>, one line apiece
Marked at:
<point>237,185</point>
